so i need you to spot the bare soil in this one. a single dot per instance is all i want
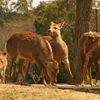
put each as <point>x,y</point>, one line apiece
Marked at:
<point>40,92</point>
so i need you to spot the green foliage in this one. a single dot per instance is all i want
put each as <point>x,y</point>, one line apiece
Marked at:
<point>3,11</point>
<point>58,11</point>
<point>20,10</point>
<point>22,6</point>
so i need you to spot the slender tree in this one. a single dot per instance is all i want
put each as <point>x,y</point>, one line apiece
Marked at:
<point>22,6</point>
<point>83,17</point>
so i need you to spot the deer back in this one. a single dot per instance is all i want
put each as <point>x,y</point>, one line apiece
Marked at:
<point>29,45</point>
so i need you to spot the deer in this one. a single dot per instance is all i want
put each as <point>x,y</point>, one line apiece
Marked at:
<point>59,47</point>
<point>3,65</point>
<point>89,53</point>
<point>31,46</point>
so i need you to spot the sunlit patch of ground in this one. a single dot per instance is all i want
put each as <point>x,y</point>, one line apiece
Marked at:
<point>40,92</point>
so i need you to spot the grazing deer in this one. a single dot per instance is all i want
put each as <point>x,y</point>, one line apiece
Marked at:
<point>89,50</point>
<point>3,65</point>
<point>28,45</point>
<point>59,47</point>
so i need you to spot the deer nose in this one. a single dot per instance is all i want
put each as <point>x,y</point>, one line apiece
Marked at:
<point>86,51</point>
<point>49,31</point>
<point>55,81</point>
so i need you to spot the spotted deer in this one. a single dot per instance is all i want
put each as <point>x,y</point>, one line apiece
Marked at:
<point>59,47</point>
<point>89,52</point>
<point>3,65</point>
<point>31,46</point>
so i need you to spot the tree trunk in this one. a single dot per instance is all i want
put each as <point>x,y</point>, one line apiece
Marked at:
<point>83,16</point>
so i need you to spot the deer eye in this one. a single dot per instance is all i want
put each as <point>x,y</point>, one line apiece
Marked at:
<point>52,72</point>
<point>55,27</point>
<point>92,42</point>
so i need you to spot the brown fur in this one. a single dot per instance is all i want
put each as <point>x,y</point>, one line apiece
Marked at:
<point>28,45</point>
<point>59,47</point>
<point>89,49</point>
<point>3,65</point>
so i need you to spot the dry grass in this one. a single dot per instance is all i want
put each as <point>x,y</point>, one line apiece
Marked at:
<point>19,92</point>
<point>15,26</point>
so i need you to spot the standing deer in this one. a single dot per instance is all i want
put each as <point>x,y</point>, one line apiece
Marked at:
<point>3,65</point>
<point>59,47</point>
<point>28,45</point>
<point>89,49</point>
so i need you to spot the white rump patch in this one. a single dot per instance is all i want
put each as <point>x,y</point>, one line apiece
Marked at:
<point>91,32</point>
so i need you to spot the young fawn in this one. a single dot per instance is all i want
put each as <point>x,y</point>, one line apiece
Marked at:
<point>31,46</point>
<point>3,65</point>
<point>59,47</point>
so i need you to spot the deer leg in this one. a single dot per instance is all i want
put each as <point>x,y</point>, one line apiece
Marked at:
<point>14,72</point>
<point>97,74</point>
<point>50,82</point>
<point>89,72</point>
<point>82,67</point>
<point>67,64</point>
<point>48,75</point>
<point>27,69</point>
<point>2,81</point>
<point>3,76</point>
<point>85,61</point>
<point>90,75</point>
<point>20,68</point>
<point>11,64</point>
<point>41,66</point>
<point>83,71</point>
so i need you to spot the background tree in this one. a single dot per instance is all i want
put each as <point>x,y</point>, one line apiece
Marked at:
<point>83,18</point>
<point>22,6</point>
<point>58,11</point>
<point>4,10</point>
<point>21,16</point>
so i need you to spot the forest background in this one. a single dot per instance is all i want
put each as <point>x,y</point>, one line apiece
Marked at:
<point>21,16</point>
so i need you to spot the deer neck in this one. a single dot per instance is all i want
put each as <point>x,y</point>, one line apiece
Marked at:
<point>57,38</point>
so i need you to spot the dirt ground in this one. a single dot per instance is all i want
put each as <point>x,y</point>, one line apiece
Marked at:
<point>38,92</point>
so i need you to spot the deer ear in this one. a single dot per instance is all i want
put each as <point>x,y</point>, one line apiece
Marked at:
<point>61,24</point>
<point>52,23</point>
<point>91,37</point>
<point>98,38</point>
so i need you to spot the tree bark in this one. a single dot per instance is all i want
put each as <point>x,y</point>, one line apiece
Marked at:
<point>83,18</point>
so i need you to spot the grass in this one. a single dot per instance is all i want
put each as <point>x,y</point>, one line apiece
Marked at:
<point>72,91</point>
<point>21,91</point>
<point>9,94</point>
